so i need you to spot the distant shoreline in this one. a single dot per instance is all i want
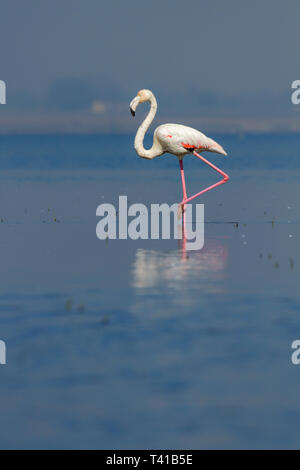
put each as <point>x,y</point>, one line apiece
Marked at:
<point>46,124</point>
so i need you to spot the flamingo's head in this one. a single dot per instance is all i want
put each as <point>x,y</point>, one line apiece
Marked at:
<point>141,97</point>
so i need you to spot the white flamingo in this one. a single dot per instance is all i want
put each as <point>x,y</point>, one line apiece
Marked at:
<point>176,139</point>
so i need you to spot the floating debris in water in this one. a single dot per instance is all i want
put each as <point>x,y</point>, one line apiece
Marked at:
<point>270,256</point>
<point>81,308</point>
<point>290,235</point>
<point>276,265</point>
<point>68,305</point>
<point>291,261</point>
<point>260,256</point>
<point>105,320</point>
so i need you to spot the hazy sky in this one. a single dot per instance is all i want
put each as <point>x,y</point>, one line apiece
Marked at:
<point>222,46</point>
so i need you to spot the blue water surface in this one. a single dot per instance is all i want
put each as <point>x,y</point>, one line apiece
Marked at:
<point>136,344</point>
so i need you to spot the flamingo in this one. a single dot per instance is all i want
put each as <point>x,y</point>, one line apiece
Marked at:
<point>176,139</point>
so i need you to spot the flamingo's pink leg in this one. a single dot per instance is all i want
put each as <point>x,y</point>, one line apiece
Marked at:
<point>181,205</point>
<point>182,180</point>
<point>224,180</point>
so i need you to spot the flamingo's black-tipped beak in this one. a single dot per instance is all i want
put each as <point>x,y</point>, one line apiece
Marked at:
<point>134,104</point>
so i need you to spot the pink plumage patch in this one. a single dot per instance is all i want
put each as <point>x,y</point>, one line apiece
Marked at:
<point>188,146</point>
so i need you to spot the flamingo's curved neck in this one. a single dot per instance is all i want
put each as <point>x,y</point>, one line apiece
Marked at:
<point>156,149</point>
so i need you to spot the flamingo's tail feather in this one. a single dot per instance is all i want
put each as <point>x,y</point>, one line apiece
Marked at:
<point>215,147</point>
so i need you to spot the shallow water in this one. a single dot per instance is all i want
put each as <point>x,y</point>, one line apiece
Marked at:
<point>132,344</point>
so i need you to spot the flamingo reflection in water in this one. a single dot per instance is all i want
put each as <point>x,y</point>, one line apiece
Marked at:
<point>180,277</point>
